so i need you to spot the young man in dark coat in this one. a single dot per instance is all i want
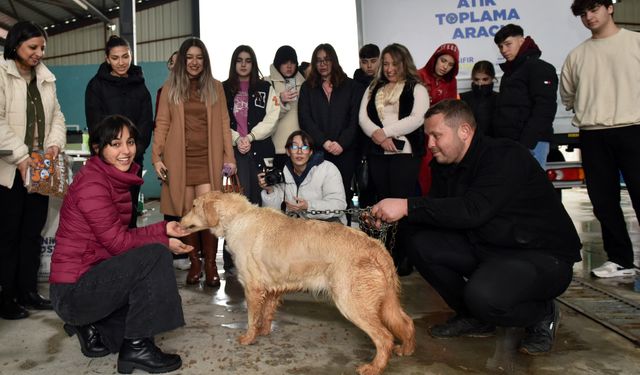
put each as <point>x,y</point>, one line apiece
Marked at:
<point>526,104</point>
<point>492,236</point>
<point>369,61</point>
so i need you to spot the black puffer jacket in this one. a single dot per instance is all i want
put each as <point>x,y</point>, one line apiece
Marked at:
<point>483,105</point>
<point>526,104</point>
<point>362,78</point>
<point>127,96</point>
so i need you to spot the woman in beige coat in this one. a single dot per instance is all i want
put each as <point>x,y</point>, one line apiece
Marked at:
<point>192,146</point>
<point>30,120</point>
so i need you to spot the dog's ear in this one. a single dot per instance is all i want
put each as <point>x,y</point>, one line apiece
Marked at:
<point>209,211</point>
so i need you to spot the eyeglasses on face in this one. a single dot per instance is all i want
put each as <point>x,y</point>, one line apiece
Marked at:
<point>325,61</point>
<point>304,148</point>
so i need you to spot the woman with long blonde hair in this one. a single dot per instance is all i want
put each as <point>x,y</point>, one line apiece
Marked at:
<point>192,146</point>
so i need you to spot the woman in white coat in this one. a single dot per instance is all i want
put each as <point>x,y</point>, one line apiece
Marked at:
<point>310,183</point>
<point>30,121</point>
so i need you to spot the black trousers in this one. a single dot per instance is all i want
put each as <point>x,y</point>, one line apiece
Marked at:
<point>248,175</point>
<point>396,176</point>
<point>506,288</point>
<point>605,154</point>
<point>22,220</point>
<point>132,295</point>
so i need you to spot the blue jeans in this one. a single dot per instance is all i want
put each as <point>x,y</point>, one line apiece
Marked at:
<point>540,152</point>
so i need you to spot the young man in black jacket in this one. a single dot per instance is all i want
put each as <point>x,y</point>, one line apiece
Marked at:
<point>526,104</point>
<point>492,236</point>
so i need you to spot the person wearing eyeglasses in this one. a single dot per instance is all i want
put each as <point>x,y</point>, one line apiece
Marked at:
<point>328,111</point>
<point>310,183</point>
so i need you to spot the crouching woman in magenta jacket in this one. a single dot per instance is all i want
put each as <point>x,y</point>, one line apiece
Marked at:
<point>113,285</point>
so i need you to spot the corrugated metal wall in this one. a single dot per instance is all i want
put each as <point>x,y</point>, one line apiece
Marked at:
<point>159,32</point>
<point>627,14</point>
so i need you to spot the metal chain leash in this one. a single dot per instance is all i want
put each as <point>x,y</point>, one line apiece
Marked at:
<point>366,223</point>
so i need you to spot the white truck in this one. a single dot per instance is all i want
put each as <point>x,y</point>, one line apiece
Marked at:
<point>423,25</point>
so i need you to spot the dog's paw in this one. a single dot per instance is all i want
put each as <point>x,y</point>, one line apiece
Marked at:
<point>368,369</point>
<point>246,339</point>
<point>403,350</point>
<point>264,331</point>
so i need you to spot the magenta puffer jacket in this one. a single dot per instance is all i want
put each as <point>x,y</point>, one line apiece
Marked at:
<point>94,221</point>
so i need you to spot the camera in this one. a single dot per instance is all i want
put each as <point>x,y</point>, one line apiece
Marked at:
<point>272,175</point>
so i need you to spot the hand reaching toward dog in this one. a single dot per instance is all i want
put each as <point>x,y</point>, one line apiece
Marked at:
<point>178,247</point>
<point>174,229</point>
<point>389,210</point>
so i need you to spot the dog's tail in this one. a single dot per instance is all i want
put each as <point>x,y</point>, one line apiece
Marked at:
<point>399,323</point>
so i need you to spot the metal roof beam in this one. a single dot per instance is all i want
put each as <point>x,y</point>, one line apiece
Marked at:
<point>37,11</point>
<point>64,5</point>
<point>10,12</point>
<point>84,4</point>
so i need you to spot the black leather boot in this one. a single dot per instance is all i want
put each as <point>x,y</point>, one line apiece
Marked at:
<point>90,342</point>
<point>143,354</point>
<point>11,310</point>
<point>33,300</point>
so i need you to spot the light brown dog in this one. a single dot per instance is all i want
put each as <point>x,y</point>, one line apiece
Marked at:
<point>275,254</point>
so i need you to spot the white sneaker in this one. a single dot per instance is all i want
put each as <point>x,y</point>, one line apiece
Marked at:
<point>182,264</point>
<point>610,269</point>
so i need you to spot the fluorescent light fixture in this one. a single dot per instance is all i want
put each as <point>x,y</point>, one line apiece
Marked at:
<point>81,4</point>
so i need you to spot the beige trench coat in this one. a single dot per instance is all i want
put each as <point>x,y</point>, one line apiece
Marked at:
<point>169,146</point>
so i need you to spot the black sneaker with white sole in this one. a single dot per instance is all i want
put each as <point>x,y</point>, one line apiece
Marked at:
<point>539,337</point>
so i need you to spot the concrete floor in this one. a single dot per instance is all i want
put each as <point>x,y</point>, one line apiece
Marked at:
<point>311,337</point>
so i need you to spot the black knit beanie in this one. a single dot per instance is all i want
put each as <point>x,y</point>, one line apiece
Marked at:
<point>284,54</point>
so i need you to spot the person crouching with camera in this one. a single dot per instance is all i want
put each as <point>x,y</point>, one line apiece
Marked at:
<point>308,182</point>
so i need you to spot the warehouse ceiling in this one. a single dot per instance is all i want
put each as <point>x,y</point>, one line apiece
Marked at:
<point>58,16</point>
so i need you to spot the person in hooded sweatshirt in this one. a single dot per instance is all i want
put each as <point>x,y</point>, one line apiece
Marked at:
<point>482,98</point>
<point>286,80</point>
<point>310,183</point>
<point>526,104</point>
<point>118,89</point>
<point>439,76</point>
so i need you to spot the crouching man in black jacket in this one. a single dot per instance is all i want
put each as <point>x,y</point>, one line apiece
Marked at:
<point>492,236</point>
